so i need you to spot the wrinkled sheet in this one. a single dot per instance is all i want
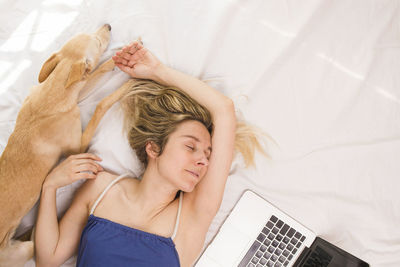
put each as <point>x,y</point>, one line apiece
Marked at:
<point>320,77</point>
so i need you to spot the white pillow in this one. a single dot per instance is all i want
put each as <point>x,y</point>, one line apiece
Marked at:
<point>112,146</point>
<point>109,141</point>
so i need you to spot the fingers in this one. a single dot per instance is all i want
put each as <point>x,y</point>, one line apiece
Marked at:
<point>126,56</point>
<point>88,167</point>
<point>140,53</point>
<point>78,162</point>
<point>75,167</point>
<point>125,53</point>
<point>123,67</point>
<point>86,156</point>
<point>85,163</point>
<point>118,59</point>
<point>133,47</point>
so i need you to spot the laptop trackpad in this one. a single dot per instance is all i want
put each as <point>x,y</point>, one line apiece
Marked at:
<point>229,246</point>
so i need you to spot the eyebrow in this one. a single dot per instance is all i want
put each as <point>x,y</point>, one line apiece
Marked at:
<point>196,139</point>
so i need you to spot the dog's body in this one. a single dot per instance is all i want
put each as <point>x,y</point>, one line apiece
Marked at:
<point>47,127</point>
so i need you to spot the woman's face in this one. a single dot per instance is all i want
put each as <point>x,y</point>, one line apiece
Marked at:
<point>184,160</point>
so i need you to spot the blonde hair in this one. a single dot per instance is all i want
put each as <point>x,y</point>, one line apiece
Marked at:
<point>153,111</point>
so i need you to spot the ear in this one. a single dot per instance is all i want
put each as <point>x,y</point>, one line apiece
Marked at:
<point>77,72</point>
<point>48,67</point>
<point>152,150</point>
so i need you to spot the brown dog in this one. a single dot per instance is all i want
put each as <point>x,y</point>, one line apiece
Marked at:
<point>47,127</point>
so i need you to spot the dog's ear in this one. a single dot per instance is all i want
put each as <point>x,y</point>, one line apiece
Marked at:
<point>77,72</point>
<point>48,67</point>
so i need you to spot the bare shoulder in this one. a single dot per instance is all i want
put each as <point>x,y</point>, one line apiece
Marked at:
<point>92,188</point>
<point>101,181</point>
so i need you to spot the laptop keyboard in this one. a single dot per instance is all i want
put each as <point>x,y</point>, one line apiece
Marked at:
<point>276,245</point>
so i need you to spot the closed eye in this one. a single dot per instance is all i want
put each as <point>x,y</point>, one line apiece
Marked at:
<point>190,147</point>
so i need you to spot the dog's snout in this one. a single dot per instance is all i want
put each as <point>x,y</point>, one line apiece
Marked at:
<point>108,26</point>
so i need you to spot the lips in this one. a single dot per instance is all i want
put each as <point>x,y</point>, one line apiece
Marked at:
<point>196,175</point>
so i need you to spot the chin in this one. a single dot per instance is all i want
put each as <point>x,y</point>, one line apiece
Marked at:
<point>188,187</point>
<point>188,184</point>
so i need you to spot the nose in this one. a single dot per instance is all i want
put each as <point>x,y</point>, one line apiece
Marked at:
<point>203,161</point>
<point>105,29</point>
<point>104,33</point>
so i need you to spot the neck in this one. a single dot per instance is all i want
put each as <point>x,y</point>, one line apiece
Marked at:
<point>154,193</point>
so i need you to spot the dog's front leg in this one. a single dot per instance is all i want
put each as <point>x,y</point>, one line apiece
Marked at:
<point>94,77</point>
<point>101,109</point>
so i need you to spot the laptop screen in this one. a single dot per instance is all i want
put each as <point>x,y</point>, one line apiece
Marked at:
<point>318,257</point>
<point>325,254</point>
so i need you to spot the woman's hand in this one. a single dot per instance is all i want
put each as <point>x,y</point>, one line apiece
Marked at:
<point>137,61</point>
<point>74,168</point>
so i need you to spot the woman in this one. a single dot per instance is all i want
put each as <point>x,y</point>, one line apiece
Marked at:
<point>114,221</point>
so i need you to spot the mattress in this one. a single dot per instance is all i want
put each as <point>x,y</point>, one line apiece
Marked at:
<point>321,78</point>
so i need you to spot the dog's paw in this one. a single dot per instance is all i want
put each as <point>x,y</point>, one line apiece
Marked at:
<point>16,253</point>
<point>107,66</point>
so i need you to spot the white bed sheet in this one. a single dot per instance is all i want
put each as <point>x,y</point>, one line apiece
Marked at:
<point>321,77</point>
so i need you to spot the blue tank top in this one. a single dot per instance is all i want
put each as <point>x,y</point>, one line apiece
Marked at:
<point>107,243</point>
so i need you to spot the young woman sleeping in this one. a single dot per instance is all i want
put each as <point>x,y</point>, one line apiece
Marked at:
<point>183,131</point>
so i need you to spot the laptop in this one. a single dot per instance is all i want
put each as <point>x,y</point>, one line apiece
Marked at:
<point>258,234</point>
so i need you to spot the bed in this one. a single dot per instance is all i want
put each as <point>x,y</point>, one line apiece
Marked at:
<point>320,77</point>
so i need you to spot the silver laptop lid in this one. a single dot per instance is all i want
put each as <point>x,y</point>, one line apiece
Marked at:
<point>244,226</point>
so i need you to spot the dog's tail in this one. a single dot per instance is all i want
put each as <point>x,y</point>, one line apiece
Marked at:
<point>16,253</point>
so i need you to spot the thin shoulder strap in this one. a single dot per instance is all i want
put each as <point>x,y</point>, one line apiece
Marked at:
<point>105,191</point>
<point>177,216</point>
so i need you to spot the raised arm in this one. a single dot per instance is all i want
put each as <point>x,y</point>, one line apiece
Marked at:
<point>137,61</point>
<point>56,242</point>
<point>208,193</point>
